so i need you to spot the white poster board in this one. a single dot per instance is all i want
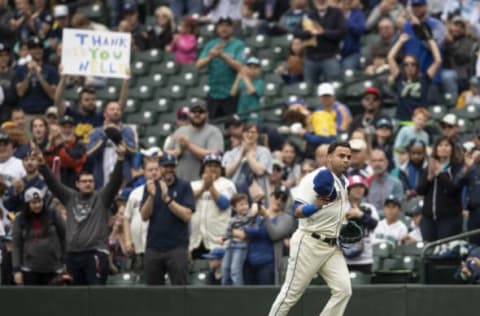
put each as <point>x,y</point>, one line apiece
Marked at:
<point>90,53</point>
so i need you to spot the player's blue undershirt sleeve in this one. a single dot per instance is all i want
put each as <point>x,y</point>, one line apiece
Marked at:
<point>307,209</point>
<point>319,140</point>
<point>223,202</point>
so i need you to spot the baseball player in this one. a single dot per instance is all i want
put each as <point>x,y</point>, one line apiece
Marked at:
<point>320,203</point>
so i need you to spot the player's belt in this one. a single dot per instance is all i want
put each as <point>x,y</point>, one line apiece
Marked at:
<point>329,241</point>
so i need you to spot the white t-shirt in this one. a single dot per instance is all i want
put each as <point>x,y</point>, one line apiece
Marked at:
<point>390,233</point>
<point>328,220</point>
<point>138,227</point>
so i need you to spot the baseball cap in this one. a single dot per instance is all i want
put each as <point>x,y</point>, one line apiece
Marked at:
<point>253,61</point>
<point>129,7</point>
<point>4,48</point>
<point>151,152</point>
<point>60,10</point>
<point>182,113</point>
<point>33,193</point>
<point>458,19</point>
<point>281,191</point>
<point>225,19</point>
<point>168,160</point>
<point>419,2</point>
<point>358,144</point>
<point>450,119</point>
<point>52,110</point>
<point>326,89</point>
<point>34,42</point>
<point>66,119</point>
<point>384,122</point>
<point>212,158</point>
<point>278,162</point>
<point>198,106</point>
<point>392,199</point>
<point>4,138</point>
<point>324,184</point>
<point>233,120</point>
<point>372,90</point>
<point>215,253</point>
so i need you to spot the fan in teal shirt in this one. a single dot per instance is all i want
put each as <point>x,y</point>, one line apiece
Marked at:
<point>249,89</point>
<point>220,75</point>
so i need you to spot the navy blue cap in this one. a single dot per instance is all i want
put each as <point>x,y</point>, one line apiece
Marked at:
<point>215,253</point>
<point>324,184</point>
<point>384,122</point>
<point>129,6</point>
<point>225,19</point>
<point>393,199</point>
<point>168,160</point>
<point>212,158</point>
<point>281,190</point>
<point>419,2</point>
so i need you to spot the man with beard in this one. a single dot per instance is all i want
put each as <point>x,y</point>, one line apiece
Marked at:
<point>168,203</point>
<point>86,118</point>
<point>101,149</point>
<point>223,56</point>
<point>371,103</point>
<point>36,81</point>
<point>193,142</point>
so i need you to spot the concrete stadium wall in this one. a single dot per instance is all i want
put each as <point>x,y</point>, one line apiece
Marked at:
<point>401,300</point>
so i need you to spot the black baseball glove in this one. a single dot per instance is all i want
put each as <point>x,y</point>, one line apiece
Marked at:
<point>350,233</point>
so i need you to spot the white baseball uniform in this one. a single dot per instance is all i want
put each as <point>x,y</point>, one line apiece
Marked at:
<point>310,255</point>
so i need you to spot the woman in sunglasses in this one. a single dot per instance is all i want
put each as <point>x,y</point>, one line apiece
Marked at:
<point>408,81</point>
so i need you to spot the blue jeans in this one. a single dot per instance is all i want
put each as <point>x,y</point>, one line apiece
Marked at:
<point>262,274</point>
<point>316,71</point>
<point>351,61</point>
<point>232,265</point>
<point>450,82</point>
<point>186,7</point>
<point>441,228</point>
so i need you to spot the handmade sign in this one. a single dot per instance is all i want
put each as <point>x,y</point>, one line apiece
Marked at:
<point>90,53</point>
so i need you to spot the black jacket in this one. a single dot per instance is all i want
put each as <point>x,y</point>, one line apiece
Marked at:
<point>442,194</point>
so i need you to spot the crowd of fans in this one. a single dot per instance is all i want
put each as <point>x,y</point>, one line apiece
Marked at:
<point>82,198</point>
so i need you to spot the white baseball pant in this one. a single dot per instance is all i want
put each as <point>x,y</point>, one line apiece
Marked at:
<point>309,256</point>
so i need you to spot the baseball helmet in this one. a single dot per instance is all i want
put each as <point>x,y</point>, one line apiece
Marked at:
<point>357,180</point>
<point>351,239</point>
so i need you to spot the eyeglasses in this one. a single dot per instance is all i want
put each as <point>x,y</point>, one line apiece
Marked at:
<point>86,181</point>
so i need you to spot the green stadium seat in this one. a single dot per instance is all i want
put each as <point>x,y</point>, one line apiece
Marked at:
<point>141,92</point>
<point>140,68</point>
<point>171,92</point>
<point>94,12</point>
<point>437,112</point>
<point>146,118</point>
<point>413,250</point>
<point>249,51</point>
<point>198,278</point>
<point>169,67</point>
<point>152,141</point>
<point>273,115</point>
<point>354,90</point>
<point>154,80</point>
<point>100,104</point>
<point>466,126</point>
<point>383,250</point>
<point>207,31</point>
<point>273,77</point>
<point>160,105</point>
<point>122,279</point>
<point>358,278</point>
<point>272,89</point>
<point>258,41</point>
<point>469,112</point>
<point>132,106</point>
<point>188,79</point>
<point>282,41</point>
<point>199,265</point>
<point>72,93</point>
<point>301,89</point>
<point>199,92</point>
<point>151,56</point>
<point>267,65</point>
<point>108,93</point>
<point>162,129</point>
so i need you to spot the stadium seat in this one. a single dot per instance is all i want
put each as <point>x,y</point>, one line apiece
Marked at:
<point>207,31</point>
<point>383,250</point>
<point>122,279</point>
<point>140,68</point>
<point>93,11</point>
<point>358,278</point>
<point>132,106</point>
<point>152,141</point>
<point>151,56</point>
<point>282,41</point>
<point>162,129</point>
<point>72,93</point>
<point>174,92</point>
<point>469,112</point>
<point>198,278</point>
<point>199,92</point>
<point>267,65</point>
<point>108,93</point>
<point>141,92</point>
<point>466,126</point>
<point>258,41</point>
<point>154,80</point>
<point>301,89</point>
<point>272,89</point>
<point>199,265</point>
<point>273,77</point>
<point>169,67</point>
<point>146,118</point>
<point>187,78</point>
<point>412,250</point>
<point>160,105</point>
<point>437,112</point>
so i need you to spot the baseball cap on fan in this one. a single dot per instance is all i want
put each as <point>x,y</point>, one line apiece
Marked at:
<point>32,194</point>
<point>326,89</point>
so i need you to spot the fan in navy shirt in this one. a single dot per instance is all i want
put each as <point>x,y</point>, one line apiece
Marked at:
<point>36,82</point>
<point>168,204</point>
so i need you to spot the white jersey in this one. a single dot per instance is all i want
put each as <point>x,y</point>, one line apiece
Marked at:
<point>328,220</point>
<point>209,223</point>
<point>138,227</point>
